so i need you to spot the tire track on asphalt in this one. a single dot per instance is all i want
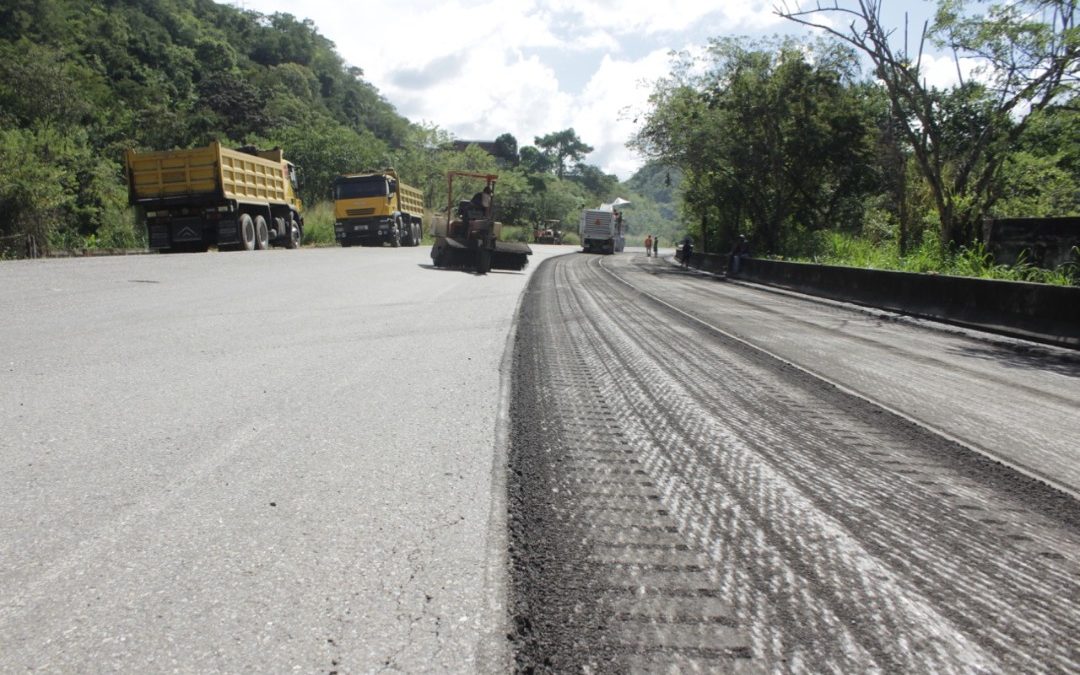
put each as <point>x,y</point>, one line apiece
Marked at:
<point>618,587</point>
<point>781,538</point>
<point>831,559</point>
<point>897,515</point>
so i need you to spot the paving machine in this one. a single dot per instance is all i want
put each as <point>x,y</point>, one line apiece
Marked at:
<point>470,238</point>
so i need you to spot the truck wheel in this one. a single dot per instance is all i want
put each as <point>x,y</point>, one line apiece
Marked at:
<point>246,227</point>
<point>262,234</point>
<point>278,235</point>
<point>395,237</point>
<point>418,238</point>
<point>293,238</point>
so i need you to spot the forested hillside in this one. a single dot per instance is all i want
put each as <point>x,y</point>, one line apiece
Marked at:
<point>81,80</point>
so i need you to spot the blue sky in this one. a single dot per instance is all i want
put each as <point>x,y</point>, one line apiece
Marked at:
<point>531,67</point>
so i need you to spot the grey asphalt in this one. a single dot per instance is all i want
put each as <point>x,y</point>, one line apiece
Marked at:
<point>291,460</point>
<point>259,461</point>
<point>1012,400</point>
<point>688,502</point>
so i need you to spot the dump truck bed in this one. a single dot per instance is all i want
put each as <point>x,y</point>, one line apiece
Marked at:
<point>209,171</point>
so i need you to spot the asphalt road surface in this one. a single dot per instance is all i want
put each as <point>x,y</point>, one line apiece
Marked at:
<point>297,460</point>
<point>709,476</point>
<point>266,461</point>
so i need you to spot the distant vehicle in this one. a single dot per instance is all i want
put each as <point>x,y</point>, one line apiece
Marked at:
<point>375,208</point>
<point>551,234</point>
<point>192,199</point>
<point>471,240</point>
<point>601,231</point>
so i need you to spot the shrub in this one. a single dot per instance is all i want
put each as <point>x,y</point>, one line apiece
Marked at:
<point>835,248</point>
<point>319,224</point>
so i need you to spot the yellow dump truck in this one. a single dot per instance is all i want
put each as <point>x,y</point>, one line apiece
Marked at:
<point>376,207</point>
<point>192,199</point>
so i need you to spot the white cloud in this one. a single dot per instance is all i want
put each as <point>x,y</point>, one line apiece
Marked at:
<point>479,70</point>
<point>611,106</point>
<point>629,17</point>
<point>942,71</point>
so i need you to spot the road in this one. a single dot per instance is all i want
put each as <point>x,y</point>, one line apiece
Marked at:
<point>707,475</point>
<point>297,460</point>
<point>253,462</point>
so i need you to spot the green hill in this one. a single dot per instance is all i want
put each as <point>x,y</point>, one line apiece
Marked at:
<point>82,80</point>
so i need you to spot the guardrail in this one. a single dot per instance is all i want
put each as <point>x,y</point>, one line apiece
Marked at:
<point>1038,312</point>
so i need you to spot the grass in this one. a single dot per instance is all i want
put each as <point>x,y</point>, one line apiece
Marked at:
<point>928,258</point>
<point>319,225</point>
<point>515,233</point>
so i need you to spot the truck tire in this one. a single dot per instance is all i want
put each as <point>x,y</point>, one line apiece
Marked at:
<point>395,236</point>
<point>418,238</point>
<point>246,228</point>
<point>262,234</point>
<point>292,236</point>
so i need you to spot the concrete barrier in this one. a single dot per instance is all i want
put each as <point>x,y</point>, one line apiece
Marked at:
<point>1034,311</point>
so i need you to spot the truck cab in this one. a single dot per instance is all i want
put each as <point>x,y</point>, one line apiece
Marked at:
<point>375,208</point>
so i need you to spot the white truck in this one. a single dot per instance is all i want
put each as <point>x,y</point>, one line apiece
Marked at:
<point>601,230</point>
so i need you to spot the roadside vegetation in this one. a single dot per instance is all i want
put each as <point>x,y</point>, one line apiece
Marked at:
<point>791,144</point>
<point>837,248</point>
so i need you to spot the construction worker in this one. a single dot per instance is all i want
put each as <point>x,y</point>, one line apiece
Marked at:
<point>482,200</point>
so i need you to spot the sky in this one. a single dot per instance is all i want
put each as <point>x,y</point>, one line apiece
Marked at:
<point>531,67</point>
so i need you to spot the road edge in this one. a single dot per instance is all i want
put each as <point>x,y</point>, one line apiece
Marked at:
<point>493,653</point>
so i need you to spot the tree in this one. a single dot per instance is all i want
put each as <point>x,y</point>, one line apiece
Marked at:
<point>506,150</point>
<point>326,150</point>
<point>594,180</point>
<point>35,190</point>
<point>1040,177</point>
<point>534,161</point>
<point>423,161</point>
<point>771,138</point>
<point>238,106</point>
<point>1026,54</point>
<point>38,85</point>
<point>562,148</point>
